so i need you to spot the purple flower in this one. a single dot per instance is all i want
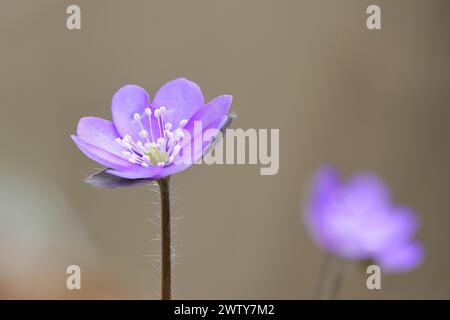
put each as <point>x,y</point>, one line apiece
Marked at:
<point>357,220</point>
<point>152,140</point>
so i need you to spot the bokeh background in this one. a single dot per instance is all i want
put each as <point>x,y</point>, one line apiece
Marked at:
<point>339,93</point>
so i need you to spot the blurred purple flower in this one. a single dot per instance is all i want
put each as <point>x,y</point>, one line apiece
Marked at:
<point>150,140</point>
<point>357,220</point>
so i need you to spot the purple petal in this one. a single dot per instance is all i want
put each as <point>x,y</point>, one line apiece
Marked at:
<point>216,130</point>
<point>103,179</point>
<point>406,220</point>
<point>127,101</point>
<point>185,160</point>
<point>181,97</point>
<point>368,189</point>
<point>224,124</point>
<point>100,155</point>
<point>99,133</point>
<point>212,116</point>
<point>137,172</point>
<point>402,258</point>
<point>215,109</point>
<point>325,183</point>
<point>399,227</point>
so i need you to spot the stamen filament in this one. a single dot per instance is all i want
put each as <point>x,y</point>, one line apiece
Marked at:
<point>150,151</point>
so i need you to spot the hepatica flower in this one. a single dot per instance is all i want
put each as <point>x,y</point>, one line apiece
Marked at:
<point>150,140</point>
<point>357,220</point>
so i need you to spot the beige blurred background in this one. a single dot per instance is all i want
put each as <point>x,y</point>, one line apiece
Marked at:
<point>340,94</point>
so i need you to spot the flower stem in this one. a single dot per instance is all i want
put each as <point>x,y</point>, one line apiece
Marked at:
<point>331,277</point>
<point>165,236</point>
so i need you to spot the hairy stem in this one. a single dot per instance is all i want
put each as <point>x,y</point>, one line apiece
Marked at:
<point>331,277</point>
<point>165,236</point>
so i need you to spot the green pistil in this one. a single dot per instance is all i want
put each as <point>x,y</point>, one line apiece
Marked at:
<point>157,156</point>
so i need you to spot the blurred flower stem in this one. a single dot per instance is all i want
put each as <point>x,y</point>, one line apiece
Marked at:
<point>331,277</point>
<point>165,236</point>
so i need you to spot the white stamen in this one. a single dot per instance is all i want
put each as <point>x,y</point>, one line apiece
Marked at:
<point>140,146</point>
<point>176,149</point>
<point>162,111</point>
<point>145,148</point>
<point>148,112</point>
<point>159,126</point>
<point>179,133</point>
<point>126,144</point>
<point>161,141</point>
<point>143,133</point>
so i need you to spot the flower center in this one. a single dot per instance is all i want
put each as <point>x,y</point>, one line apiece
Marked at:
<point>153,148</point>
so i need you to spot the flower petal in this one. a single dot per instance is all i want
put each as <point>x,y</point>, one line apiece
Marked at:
<point>190,153</point>
<point>99,133</point>
<point>402,258</point>
<point>215,109</point>
<point>391,229</point>
<point>137,172</point>
<point>100,155</point>
<point>368,189</point>
<point>127,101</point>
<point>406,221</point>
<point>224,123</point>
<point>181,97</point>
<point>325,183</point>
<point>103,179</point>
<point>212,116</point>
